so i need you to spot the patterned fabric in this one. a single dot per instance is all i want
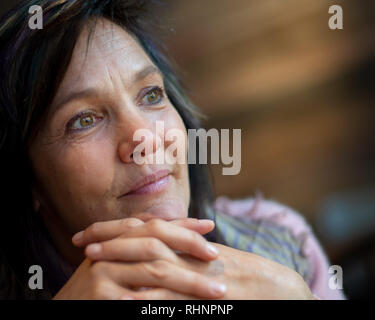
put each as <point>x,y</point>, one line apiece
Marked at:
<point>261,237</point>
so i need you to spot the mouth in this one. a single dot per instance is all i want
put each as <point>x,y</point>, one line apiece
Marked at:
<point>153,183</point>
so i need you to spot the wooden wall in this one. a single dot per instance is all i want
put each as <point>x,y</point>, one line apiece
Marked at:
<point>301,93</point>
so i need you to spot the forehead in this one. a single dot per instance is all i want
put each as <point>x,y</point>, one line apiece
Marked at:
<point>111,52</point>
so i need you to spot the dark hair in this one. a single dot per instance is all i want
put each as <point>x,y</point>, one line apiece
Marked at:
<point>33,63</point>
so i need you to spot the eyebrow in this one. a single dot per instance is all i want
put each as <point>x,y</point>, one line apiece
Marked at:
<point>140,75</point>
<point>90,92</point>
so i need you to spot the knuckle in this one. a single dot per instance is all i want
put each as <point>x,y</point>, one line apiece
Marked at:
<point>196,238</point>
<point>153,247</point>
<point>93,230</point>
<point>158,269</point>
<point>129,222</point>
<point>155,225</point>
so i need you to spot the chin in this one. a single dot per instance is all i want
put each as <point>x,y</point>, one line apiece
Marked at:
<point>166,210</point>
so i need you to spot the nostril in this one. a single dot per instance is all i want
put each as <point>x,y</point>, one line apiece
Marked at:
<point>142,154</point>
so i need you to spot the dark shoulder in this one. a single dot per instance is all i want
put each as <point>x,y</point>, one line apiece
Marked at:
<point>10,288</point>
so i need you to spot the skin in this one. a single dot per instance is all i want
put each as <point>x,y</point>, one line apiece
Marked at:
<point>95,166</point>
<point>130,243</point>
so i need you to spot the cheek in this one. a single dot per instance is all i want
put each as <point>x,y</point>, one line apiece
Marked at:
<point>173,121</point>
<point>77,175</point>
<point>88,167</point>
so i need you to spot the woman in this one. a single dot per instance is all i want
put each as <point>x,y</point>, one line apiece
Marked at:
<point>101,226</point>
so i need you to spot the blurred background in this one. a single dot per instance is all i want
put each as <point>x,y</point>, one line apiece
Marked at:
<point>303,96</point>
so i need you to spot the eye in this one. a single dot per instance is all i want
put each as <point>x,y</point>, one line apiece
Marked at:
<point>152,96</point>
<point>82,121</point>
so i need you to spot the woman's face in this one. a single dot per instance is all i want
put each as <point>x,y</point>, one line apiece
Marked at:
<point>83,156</point>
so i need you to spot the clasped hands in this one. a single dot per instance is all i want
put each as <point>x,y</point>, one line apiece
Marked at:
<point>171,260</point>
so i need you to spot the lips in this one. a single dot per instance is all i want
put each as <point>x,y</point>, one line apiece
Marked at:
<point>153,183</point>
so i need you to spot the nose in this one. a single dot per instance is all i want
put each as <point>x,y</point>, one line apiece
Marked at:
<point>138,138</point>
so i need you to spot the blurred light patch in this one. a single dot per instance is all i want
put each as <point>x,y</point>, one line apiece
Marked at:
<point>347,216</point>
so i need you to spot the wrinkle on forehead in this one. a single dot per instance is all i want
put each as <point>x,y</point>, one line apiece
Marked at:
<point>107,47</point>
<point>103,41</point>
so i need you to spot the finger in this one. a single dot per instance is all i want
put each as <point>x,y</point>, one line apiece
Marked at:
<point>175,237</point>
<point>130,250</point>
<point>201,226</point>
<point>159,294</point>
<point>106,230</point>
<point>166,275</point>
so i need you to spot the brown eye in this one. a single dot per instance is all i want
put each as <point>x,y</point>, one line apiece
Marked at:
<point>153,96</point>
<point>82,121</point>
<point>86,121</point>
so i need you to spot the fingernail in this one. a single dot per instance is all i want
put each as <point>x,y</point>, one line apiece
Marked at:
<point>204,221</point>
<point>218,288</point>
<point>93,248</point>
<point>77,237</point>
<point>126,298</point>
<point>211,250</point>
